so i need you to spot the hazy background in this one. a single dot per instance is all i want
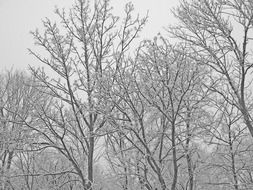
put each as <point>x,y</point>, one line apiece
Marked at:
<point>18,18</point>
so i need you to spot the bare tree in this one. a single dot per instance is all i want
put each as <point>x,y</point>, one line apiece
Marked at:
<point>80,52</point>
<point>150,95</point>
<point>15,95</point>
<point>219,34</point>
<point>229,139</point>
<point>172,116</point>
<point>172,85</point>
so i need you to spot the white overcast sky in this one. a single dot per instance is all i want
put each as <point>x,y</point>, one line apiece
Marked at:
<point>18,17</point>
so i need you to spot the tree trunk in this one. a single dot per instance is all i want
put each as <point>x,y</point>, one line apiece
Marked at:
<point>90,162</point>
<point>174,152</point>
<point>232,160</point>
<point>188,155</point>
<point>7,182</point>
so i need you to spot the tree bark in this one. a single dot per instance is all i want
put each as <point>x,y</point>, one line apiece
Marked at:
<point>188,154</point>
<point>90,162</point>
<point>232,160</point>
<point>174,152</point>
